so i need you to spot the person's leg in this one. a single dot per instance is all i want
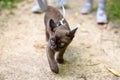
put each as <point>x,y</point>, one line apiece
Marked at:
<point>61,2</point>
<point>101,13</point>
<point>37,9</point>
<point>87,7</point>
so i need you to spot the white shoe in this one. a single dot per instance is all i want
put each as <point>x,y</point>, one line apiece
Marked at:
<point>86,9</point>
<point>101,17</point>
<point>36,9</point>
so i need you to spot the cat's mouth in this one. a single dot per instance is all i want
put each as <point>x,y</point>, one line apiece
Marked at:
<point>55,48</point>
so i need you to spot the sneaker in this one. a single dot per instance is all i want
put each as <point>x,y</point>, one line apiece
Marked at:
<point>86,9</point>
<point>101,17</point>
<point>36,9</point>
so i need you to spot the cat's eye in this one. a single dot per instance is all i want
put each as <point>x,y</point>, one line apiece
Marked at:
<point>62,44</point>
<point>52,41</point>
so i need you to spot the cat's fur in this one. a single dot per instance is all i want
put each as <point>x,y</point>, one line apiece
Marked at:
<point>58,35</point>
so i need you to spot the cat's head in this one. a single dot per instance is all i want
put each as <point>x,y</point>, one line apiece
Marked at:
<point>60,38</point>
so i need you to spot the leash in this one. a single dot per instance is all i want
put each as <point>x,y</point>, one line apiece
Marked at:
<point>63,10</point>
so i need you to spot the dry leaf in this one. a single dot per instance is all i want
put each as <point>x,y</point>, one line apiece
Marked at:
<point>76,14</point>
<point>93,62</point>
<point>84,30</point>
<point>88,46</point>
<point>39,46</point>
<point>116,73</point>
<point>116,32</point>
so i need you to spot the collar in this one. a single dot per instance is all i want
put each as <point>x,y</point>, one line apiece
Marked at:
<point>61,22</point>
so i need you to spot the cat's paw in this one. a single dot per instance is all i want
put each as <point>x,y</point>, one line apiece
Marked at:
<point>55,69</point>
<point>60,60</point>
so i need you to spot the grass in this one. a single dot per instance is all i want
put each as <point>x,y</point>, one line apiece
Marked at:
<point>8,4</point>
<point>113,9</point>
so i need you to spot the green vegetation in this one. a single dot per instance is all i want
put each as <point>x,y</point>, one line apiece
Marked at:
<point>113,9</point>
<point>8,3</point>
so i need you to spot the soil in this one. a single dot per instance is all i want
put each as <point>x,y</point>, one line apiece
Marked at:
<point>23,46</point>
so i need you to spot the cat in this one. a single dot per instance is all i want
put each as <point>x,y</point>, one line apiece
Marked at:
<point>58,36</point>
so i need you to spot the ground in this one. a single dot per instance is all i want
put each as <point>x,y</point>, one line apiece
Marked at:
<point>94,49</point>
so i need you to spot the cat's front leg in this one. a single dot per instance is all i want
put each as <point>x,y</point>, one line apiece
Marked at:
<point>51,60</point>
<point>60,56</point>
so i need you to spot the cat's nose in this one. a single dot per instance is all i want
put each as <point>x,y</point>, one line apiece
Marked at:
<point>56,48</point>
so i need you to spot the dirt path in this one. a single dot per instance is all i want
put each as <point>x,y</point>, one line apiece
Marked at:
<point>23,54</point>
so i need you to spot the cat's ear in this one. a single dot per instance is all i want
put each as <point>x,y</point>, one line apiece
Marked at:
<point>72,32</point>
<point>52,24</point>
